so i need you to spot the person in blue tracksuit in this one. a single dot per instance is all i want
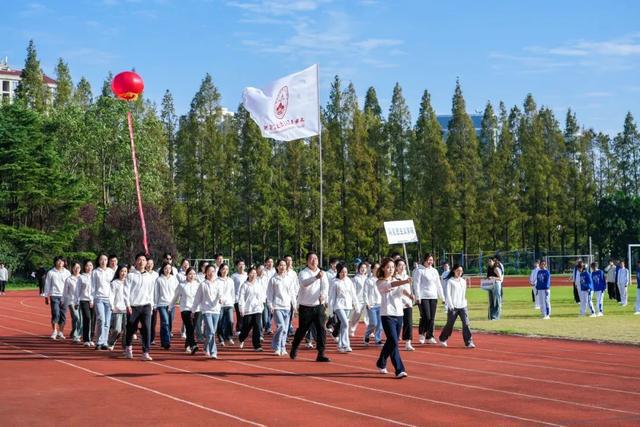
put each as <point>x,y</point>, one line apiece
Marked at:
<point>599,287</point>
<point>586,290</point>
<point>543,290</point>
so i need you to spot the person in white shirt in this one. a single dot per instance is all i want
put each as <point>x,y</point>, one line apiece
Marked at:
<point>456,300</point>
<point>407,299</point>
<point>4,278</point>
<point>372,299</point>
<point>312,297</point>
<point>358,282</point>
<point>210,298</point>
<point>118,308</point>
<point>391,313</point>
<point>225,325</point>
<point>182,272</point>
<point>267,273</point>
<point>185,296</point>
<point>150,268</point>
<point>427,289</point>
<point>612,288</point>
<point>101,285</point>
<point>53,295</point>
<point>342,299</point>
<point>281,296</point>
<point>332,272</point>
<point>139,292</point>
<point>291,272</point>
<point>84,297</point>
<point>70,300</point>
<point>532,281</point>
<point>623,279</point>
<point>198,325</point>
<point>113,262</point>
<point>166,288</point>
<point>239,277</point>
<point>168,257</point>
<point>444,276</point>
<point>250,304</point>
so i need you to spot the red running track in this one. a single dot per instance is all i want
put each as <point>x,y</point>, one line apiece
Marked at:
<point>505,381</point>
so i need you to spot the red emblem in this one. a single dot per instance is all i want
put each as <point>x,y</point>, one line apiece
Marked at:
<point>282,102</point>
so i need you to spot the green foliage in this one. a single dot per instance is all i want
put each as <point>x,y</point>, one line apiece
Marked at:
<point>32,90</point>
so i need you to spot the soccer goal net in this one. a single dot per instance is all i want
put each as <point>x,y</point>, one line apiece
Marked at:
<point>564,264</point>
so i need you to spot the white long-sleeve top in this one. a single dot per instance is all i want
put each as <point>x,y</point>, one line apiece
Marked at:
<point>101,285</point>
<point>281,292</point>
<point>139,289</point>
<point>264,282</point>
<point>372,297</point>
<point>456,293</point>
<point>623,277</point>
<point>182,276</point>
<point>342,294</point>
<point>117,302</point>
<point>250,298</point>
<point>166,288</point>
<point>209,298</point>
<point>358,282</point>
<point>391,298</point>
<point>4,274</point>
<point>443,280</point>
<point>84,288</point>
<point>200,277</point>
<point>426,283</point>
<point>312,288</point>
<point>533,277</point>
<point>228,291</point>
<point>54,283</point>
<point>185,296</point>
<point>70,290</point>
<point>611,273</point>
<point>406,288</point>
<point>238,280</point>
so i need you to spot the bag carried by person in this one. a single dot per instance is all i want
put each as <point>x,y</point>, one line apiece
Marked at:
<point>487,284</point>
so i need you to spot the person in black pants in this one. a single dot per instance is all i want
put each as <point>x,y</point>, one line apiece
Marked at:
<point>138,295</point>
<point>314,289</point>
<point>407,302</point>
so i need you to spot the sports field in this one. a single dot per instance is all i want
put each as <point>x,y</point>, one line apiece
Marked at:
<point>507,380</point>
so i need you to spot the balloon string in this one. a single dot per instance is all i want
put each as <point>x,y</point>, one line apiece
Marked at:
<point>135,172</point>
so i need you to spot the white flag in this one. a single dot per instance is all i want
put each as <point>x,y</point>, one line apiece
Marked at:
<point>286,109</point>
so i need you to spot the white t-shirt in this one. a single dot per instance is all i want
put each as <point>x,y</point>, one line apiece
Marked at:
<point>391,303</point>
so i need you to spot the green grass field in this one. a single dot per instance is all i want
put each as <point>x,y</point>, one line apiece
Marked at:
<point>21,284</point>
<point>618,324</point>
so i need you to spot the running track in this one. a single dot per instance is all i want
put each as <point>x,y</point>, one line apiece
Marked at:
<point>505,381</point>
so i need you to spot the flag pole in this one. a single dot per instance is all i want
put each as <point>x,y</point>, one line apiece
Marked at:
<point>320,152</point>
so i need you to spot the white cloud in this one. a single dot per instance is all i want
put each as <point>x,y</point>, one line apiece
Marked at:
<point>370,44</point>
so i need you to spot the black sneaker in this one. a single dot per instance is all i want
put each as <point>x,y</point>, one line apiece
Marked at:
<point>322,359</point>
<point>194,350</point>
<point>293,353</point>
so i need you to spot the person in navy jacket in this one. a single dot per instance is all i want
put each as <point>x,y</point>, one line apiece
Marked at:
<point>543,290</point>
<point>586,290</point>
<point>599,287</point>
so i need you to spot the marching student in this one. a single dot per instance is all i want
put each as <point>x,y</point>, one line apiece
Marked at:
<point>623,278</point>
<point>427,289</point>
<point>612,288</point>
<point>118,308</point>
<point>543,290</point>
<point>586,290</point>
<point>4,277</point>
<point>342,299</point>
<point>358,281</point>
<point>239,277</point>
<point>637,311</point>
<point>456,300</point>
<point>185,296</point>
<point>70,300</point>
<point>101,286</point>
<point>182,273</point>
<point>532,282</point>
<point>312,298</point>
<point>84,296</point>
<point>139,298</point>
<point>225,325</point>
<point>53,295</point>
<point>372,300</point>
<point>218,261</point>
<point>197,324</point>
<point>599,287</point>
<point>281,296</point>
<point>202,266</point>
<point>250,305</point>
<point>210,299</point>
<point>291,272</point>
<point>166,288</point>
<point>391,313</point>
<point>113,262</point>
<point>332,272</point>
<point>263,279</point>
<point>407,300</point>
<point>168,257</point>
<point>444,276</point>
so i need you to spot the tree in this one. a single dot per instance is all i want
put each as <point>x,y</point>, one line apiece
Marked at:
<point>488,203</point>
<point>32,90</point>
<point>626,155</point>
<point>398,132</point>
<point>82,96</point>
<point>65,85</point>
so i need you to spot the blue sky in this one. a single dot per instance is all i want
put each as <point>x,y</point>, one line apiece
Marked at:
<point>579,54</point>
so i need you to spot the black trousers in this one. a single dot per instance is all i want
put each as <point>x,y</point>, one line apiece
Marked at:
<point>613,291</point>
<point>189,322</point>
<point>140,315</point>
<point>451,319</point>
<point>251,322</point>
<point>576,295</point>
<point>41,285</point>
<point>428,309</point>
<point>239,323</point>
<point>311,317</point>
<point>3,285</point>
<point>407,323</point>
<point>88,321</point>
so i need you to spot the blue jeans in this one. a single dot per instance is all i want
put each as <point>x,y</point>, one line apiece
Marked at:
<point>225,327</point>
<point>392,326</point>
<point>375,324</point>
<point>165,325</point>
<point>279,341</point>
<point>343,338</point>
<point>76,322</point>
<point>58,315</point>
<point>103,311</point>
<point>495,301</point>
<point>266,319</point>
<point>198,327</point>
<point>210,321</point>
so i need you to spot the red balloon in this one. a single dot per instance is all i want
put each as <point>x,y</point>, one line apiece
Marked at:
<point>127,85</point>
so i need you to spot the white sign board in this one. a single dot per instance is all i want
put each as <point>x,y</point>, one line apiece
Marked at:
<point>400,232</point>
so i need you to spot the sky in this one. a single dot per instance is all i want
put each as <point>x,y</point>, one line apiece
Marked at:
<point>583,55</point>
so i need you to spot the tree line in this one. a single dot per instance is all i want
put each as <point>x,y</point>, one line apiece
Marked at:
<point>211,183</point>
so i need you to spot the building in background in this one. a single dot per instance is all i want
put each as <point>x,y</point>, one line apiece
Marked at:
<point>10,78</point>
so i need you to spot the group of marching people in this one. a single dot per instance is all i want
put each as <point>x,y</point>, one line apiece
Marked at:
<point>110,302</point>
<point>588,281</point>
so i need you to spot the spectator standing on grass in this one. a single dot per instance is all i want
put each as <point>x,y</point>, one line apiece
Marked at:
<point>456,301</point>
<point>575,279</point>
<point>623,279</point>
<point>543,290</point>
<point>250,305</point>
<point>495,295</point>
<point>281,296</point>
<point>4,278</point>
<point>101,278</point>
<point>599,287</point>
<point>532,282</point>
<point>139,298</point>
<point>70,301</point>
<point>84,297</point>
<point>372,301</point>
<point>391,313</point>
<point>586,290</point>
<point>612,288</point>
<point>427,289</point>
<point>185,297</point>
<point>53,294</point>
<point>118,308</point>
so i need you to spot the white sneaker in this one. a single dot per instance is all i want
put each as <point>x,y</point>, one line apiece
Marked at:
<point>310,345</point>
<point>443,344</point>
<point>408,346</point>
<point>111,347</point>
<point>383,370</point>
<point>283,353</point>
<point>636,313</point>
<point>471,345</point>
<point>335,339</point>
<point>187,350</point>
<point>402,375</point>
<point>422,339</point>
<point>342,350</point>
<point>146,357</point>
<point>352,334</point>
<point>277,353</point>
<point>593,315</point>
<point>348,350</point>
<point>537,307</point>
<point>214,356</point>
<point>87,344</point>
<point>54,335</point>
<point>206,354</point>
<point>76,339</point>
<point>258,350</point>
<point>128,353</point>
<point>431,340</point>
<point>184,336</point>
<point>92,344</point>
<point>60,335</point>
<point>135,337</point>
<point>230,342</point>
<point>241,345</point>
<point>546,318</point>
